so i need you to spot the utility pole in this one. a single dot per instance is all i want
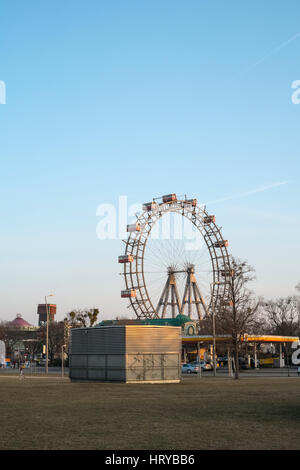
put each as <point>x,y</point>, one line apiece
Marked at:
<point>62,360</point>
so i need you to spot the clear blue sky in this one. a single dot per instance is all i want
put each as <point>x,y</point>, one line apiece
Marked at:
<point>110,98</point>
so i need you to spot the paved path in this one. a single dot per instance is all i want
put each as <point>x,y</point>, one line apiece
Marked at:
<point>262,372</point>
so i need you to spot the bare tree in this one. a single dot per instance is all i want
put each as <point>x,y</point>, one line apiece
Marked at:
<point>283,315</point>
<point>240,316</point>
<point>56,338</point>
<point>33,346</point>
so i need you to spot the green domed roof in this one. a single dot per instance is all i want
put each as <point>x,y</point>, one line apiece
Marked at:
<point>180,319</point>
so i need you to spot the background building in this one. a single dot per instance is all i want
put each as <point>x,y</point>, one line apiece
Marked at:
<point>19,322</point>
<point>42,313</point>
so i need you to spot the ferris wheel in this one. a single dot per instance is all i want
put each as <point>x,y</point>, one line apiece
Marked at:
<point>176,260</point>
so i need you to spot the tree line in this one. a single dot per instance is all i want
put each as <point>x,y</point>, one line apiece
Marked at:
<point>33,341</point>
<point>244,313</point>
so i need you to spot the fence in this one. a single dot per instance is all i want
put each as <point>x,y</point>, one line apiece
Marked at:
<point>33,370</point>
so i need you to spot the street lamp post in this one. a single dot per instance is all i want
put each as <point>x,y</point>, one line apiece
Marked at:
<point>62,360</point>
<point>47,331</point>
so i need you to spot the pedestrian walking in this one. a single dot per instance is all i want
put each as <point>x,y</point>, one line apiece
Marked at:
<point>21,375</point>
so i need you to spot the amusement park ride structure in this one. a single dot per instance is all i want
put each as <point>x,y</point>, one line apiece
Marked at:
<point>181,272</point>
<point>194,302</point>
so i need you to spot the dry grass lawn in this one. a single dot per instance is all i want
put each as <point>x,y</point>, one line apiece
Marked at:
<point>52,413</point>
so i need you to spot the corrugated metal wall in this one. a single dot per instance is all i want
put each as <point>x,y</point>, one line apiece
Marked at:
<point>152,367</point>
<point>132,353</point>
<point>104,340</point>
<point>152,339</point>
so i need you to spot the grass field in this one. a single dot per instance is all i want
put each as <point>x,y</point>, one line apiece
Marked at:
<point>52,413</point>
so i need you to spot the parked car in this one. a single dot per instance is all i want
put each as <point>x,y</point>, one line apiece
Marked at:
<point>189,369</point>
<point>203,364</point>
<point>223,359</point>
<point>42,363</point>
<point>244,365</point>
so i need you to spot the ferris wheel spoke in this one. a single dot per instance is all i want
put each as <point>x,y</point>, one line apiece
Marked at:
<point>158,253</point>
